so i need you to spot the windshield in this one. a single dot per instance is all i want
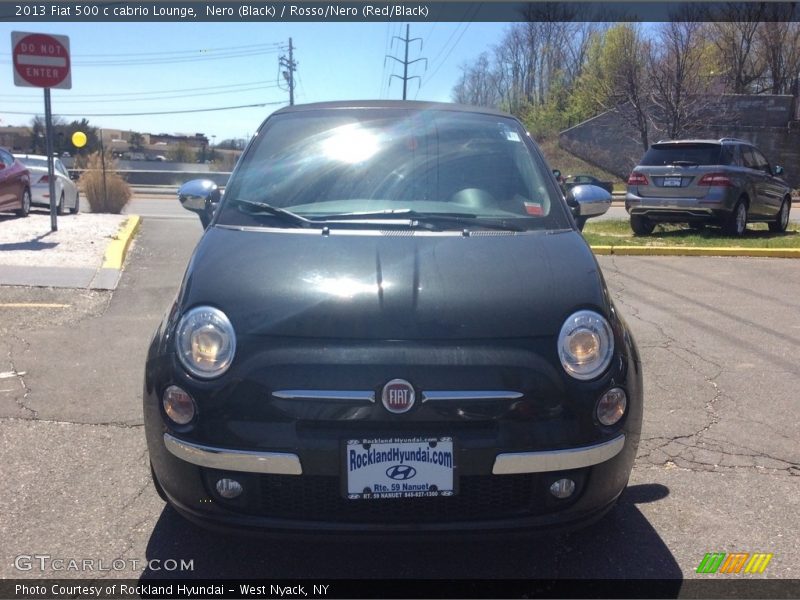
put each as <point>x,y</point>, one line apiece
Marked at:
<point>698,154</point>
<point>29,161</point>
<point>390,164</point>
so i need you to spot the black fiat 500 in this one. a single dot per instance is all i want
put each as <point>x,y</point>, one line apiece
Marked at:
<point>392,324</point>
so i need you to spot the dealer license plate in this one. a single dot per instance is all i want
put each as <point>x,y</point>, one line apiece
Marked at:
<point>672,181</point>
<point>385,468</point>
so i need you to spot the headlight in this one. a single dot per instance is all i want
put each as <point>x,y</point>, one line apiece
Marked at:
<point>585,345</point>
<point>206,342</point>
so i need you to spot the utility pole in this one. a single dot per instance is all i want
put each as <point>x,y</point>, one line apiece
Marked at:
<point>406,62</point>
<point>288,74</point>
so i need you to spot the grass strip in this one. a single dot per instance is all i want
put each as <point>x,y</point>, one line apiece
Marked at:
<point>617,232</point>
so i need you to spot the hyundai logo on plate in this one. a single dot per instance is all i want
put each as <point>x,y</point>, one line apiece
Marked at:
<point>398,396</point>
<point>401,472</point>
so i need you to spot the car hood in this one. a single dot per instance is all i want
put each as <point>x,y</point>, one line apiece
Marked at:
<point>393,285</point>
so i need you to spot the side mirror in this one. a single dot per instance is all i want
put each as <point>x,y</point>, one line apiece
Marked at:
<point>778,170</point>
<point>200,196</point>
<point>557,174</point>
<point>588,201</point>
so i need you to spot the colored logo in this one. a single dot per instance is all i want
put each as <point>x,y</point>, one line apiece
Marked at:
<point>398,396</point>
<point>401,472</point>
<point>720,562</point>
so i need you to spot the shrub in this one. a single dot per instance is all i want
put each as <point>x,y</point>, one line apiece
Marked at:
<point>110,197</point>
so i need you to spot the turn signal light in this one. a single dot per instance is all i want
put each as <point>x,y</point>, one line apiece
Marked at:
<point>178,405</point>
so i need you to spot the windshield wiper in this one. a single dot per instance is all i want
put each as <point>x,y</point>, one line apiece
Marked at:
<point>274,211</point>
<point>416,218</point>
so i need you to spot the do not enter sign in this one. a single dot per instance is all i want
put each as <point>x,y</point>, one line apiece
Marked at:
<point>41,60</point>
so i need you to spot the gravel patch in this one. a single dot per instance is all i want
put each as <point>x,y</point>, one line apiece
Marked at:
<point>80,241</point>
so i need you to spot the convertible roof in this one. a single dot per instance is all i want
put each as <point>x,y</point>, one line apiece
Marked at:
<point>395,104</point>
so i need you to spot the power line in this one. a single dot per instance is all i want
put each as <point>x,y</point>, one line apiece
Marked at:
<point>197,89</point>
<point>162,53</point>
<point>385,52</point>
<point>453,47</point>
<point>144,114</point>
<point>276,45</point>
<point>171,97</point>
<point>160,61</point>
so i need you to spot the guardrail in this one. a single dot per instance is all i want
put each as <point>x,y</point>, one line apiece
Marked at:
<point>172,178</point>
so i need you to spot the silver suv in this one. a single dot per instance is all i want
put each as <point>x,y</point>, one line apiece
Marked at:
<point>726,182</point>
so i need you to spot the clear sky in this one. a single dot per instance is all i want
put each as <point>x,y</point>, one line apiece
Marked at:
<point>154,63</point>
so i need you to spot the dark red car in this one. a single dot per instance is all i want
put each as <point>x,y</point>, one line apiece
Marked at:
<point>15,185</point>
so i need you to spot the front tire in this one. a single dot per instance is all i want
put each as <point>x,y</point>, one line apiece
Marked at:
<point>60,205</point>
<point>736,223</point>
<point>26,204</point>
<point>781,222</point>
<point>77,208</point>
<point>641,225</point>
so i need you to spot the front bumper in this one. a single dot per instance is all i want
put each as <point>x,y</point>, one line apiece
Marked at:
<point>285,445</point>
<point>284,463</point>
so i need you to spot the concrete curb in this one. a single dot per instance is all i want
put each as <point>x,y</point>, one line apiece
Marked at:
<point>107,277</point>
<point>696,251</point>
<point>118,248</point>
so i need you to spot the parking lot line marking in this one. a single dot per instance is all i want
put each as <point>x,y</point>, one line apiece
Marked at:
<point>33,305</point>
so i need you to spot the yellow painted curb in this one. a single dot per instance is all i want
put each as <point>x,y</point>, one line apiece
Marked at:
<point>116,250</point>
<point>696,251</point>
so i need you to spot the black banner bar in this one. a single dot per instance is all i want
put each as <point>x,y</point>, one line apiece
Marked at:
<point>66,11</point>
<point>203,589</point>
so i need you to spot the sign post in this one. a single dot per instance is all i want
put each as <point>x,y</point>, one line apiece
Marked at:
<point>42,60</point>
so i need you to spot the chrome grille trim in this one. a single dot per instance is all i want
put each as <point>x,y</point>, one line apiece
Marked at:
<point>443,395</point>
<point>366,396</point>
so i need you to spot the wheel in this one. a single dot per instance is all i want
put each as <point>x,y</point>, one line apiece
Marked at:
<point>580,222</point>
<point>77,208</point>
<point>60,205</point>
<point>782,220</point>
<point>736,222</point>
<point>26,204</point>
<point>157,485</point>
<point>641,225</point>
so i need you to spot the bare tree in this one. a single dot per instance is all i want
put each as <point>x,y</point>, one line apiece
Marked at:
<point>680,74</point>
<point>779,48</point>
<point>616,78</point>
<point>478,84</point>
<point>735,38</point>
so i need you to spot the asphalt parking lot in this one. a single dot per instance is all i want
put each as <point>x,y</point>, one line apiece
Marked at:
<point>718,468</point>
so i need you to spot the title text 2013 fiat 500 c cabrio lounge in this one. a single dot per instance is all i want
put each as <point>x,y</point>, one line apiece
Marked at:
<point>392,324</point>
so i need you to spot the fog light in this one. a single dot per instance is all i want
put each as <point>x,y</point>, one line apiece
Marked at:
<point>563,488</point>
<point>229,488</point>
<point>611,406</point>
<point>178,405</point>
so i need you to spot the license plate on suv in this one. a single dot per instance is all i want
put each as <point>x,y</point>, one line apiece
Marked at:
<point>385,468</point>
<point>673,181</point>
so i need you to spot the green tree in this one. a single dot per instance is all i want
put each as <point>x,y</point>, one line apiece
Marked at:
<point>182,152</point>
<point>616,77</point>
<point>136,141</point>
